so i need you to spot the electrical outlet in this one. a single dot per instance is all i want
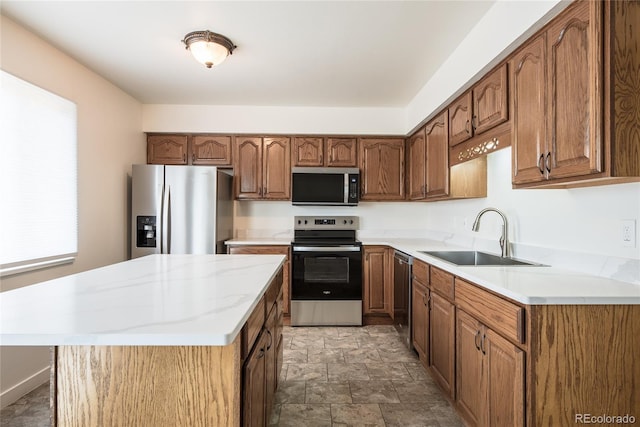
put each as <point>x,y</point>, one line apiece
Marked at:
<point>629,233</point>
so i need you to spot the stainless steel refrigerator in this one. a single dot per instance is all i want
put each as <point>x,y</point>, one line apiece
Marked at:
<point>180,209</point>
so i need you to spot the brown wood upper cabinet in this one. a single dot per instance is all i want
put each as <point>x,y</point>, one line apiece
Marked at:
<point>381,168</point>
<point>213,150</point>
<point>167,149</point>
<point>428,160</point>
<point>320,151</point>
<point>568,124</point>
<point>199,149</point>
<point>262,168</point>
<point>481,108</point>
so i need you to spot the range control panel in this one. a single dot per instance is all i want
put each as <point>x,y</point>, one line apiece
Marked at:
<point>325,223</point>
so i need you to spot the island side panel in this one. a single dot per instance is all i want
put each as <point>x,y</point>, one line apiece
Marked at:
<point>147,385</point>
<point>584,361</point>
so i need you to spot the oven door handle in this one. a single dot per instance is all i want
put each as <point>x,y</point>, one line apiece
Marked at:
<point>326,249</point>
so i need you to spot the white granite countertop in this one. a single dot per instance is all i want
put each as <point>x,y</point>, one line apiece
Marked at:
<point>273,241</point>
<point>153,300</point>
<point>533,285</point>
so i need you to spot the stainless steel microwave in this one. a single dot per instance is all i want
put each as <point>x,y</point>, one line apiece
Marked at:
<point>325,186</point>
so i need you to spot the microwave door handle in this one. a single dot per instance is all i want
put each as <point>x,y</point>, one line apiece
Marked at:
<point>346,188</point>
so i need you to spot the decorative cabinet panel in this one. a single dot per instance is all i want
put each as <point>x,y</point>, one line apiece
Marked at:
<point>341,152</point>
<point>437,157</point>
<point>572,99</point>
<point>320,151</point>
<point>213,150</point>
<point>308,151</point>
<point>376,280</point>
<point>481,108</point>
<point>262,168</point>
<point>460,116</point>
<point>167,149</point>
<point>416,166</point>
<point>382,169</point>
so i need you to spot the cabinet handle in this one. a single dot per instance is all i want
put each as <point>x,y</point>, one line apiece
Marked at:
<point>484,337</point>
<point>193,157</point>
<point>321,158</point>
<point>184,157</point>
<point>466,127</point>
<point>270,340</point>
<point>474,122</point>
<point>540,161</point>
<point>475,340</point>
<point>261,354</point>
<point>547,162</point>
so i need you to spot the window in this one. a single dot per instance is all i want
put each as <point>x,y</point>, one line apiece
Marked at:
<point>38,177</point>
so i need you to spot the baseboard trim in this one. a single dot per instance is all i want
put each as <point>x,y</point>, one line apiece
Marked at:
<point>14,393</point>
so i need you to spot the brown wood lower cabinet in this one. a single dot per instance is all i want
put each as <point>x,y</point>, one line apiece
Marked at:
<point>420,320</point>
<point>442,330</point>
<point>490,376</point>
<point>376,280</point>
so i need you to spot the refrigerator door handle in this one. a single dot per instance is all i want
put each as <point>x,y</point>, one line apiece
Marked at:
<point>164,238</point>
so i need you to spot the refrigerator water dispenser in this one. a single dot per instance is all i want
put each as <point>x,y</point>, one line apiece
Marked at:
<point>146,232</point>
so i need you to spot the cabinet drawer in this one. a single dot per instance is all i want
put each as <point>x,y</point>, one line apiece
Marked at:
<point>498,314</point>
<point>421,271</point>
<point>252,328</point>
<point>442,282</point>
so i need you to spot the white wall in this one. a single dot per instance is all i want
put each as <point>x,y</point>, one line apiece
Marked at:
<point>109,141</point>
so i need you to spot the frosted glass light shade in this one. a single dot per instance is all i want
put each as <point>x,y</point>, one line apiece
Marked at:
<point>208,48</point>
<point>208,53</point>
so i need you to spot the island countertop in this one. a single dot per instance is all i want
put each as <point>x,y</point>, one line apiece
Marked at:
<point>154,300</point>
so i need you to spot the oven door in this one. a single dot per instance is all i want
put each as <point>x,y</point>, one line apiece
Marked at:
<point>326,272</point>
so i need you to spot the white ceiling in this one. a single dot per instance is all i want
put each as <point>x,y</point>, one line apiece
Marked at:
<point>290,53</point>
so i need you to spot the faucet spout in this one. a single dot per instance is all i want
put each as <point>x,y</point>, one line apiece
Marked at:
<point>504,238</point>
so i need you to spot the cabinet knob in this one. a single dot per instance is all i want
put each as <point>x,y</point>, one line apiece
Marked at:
<point>540,161</point>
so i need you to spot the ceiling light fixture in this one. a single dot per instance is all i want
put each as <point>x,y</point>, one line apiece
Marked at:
<point>208,48</point>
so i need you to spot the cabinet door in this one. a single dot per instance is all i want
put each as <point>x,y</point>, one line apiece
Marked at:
<point>248,168</point>
<point>341,152</point>
<point>437,154</point>
<point>308,151</point>
<point>528,112</point>
<point>490,107</point>
<point>420,320</point>
<point>416,166</point>
<point>469,362</point>
<point>460,128</point>
<point>276,169</point>
<point>271,367</point>
<point>211,150</point>
<point>504,381</point>
<point>575,98</point>
<point>442,334</point>
<point>375,298</point>
<point>254,396</point>
<point>167,149</point>
<point>382,169</point>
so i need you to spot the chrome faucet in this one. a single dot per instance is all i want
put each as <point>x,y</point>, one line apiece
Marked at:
<point>504,239</point>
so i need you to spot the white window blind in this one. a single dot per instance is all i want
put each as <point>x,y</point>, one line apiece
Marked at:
<point>38,177</point>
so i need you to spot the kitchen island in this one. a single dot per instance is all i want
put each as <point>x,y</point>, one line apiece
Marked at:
<point>158,340</point>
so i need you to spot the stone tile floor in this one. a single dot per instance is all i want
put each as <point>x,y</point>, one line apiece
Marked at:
<point>332,376</point>
<point>352,376</point>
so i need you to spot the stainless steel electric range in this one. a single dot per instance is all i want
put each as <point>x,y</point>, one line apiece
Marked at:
<point>326,284</point>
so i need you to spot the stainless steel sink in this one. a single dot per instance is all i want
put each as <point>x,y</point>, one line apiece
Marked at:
<point>476,258</point>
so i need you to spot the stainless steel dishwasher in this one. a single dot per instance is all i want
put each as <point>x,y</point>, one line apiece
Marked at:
<point>402,264</point>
